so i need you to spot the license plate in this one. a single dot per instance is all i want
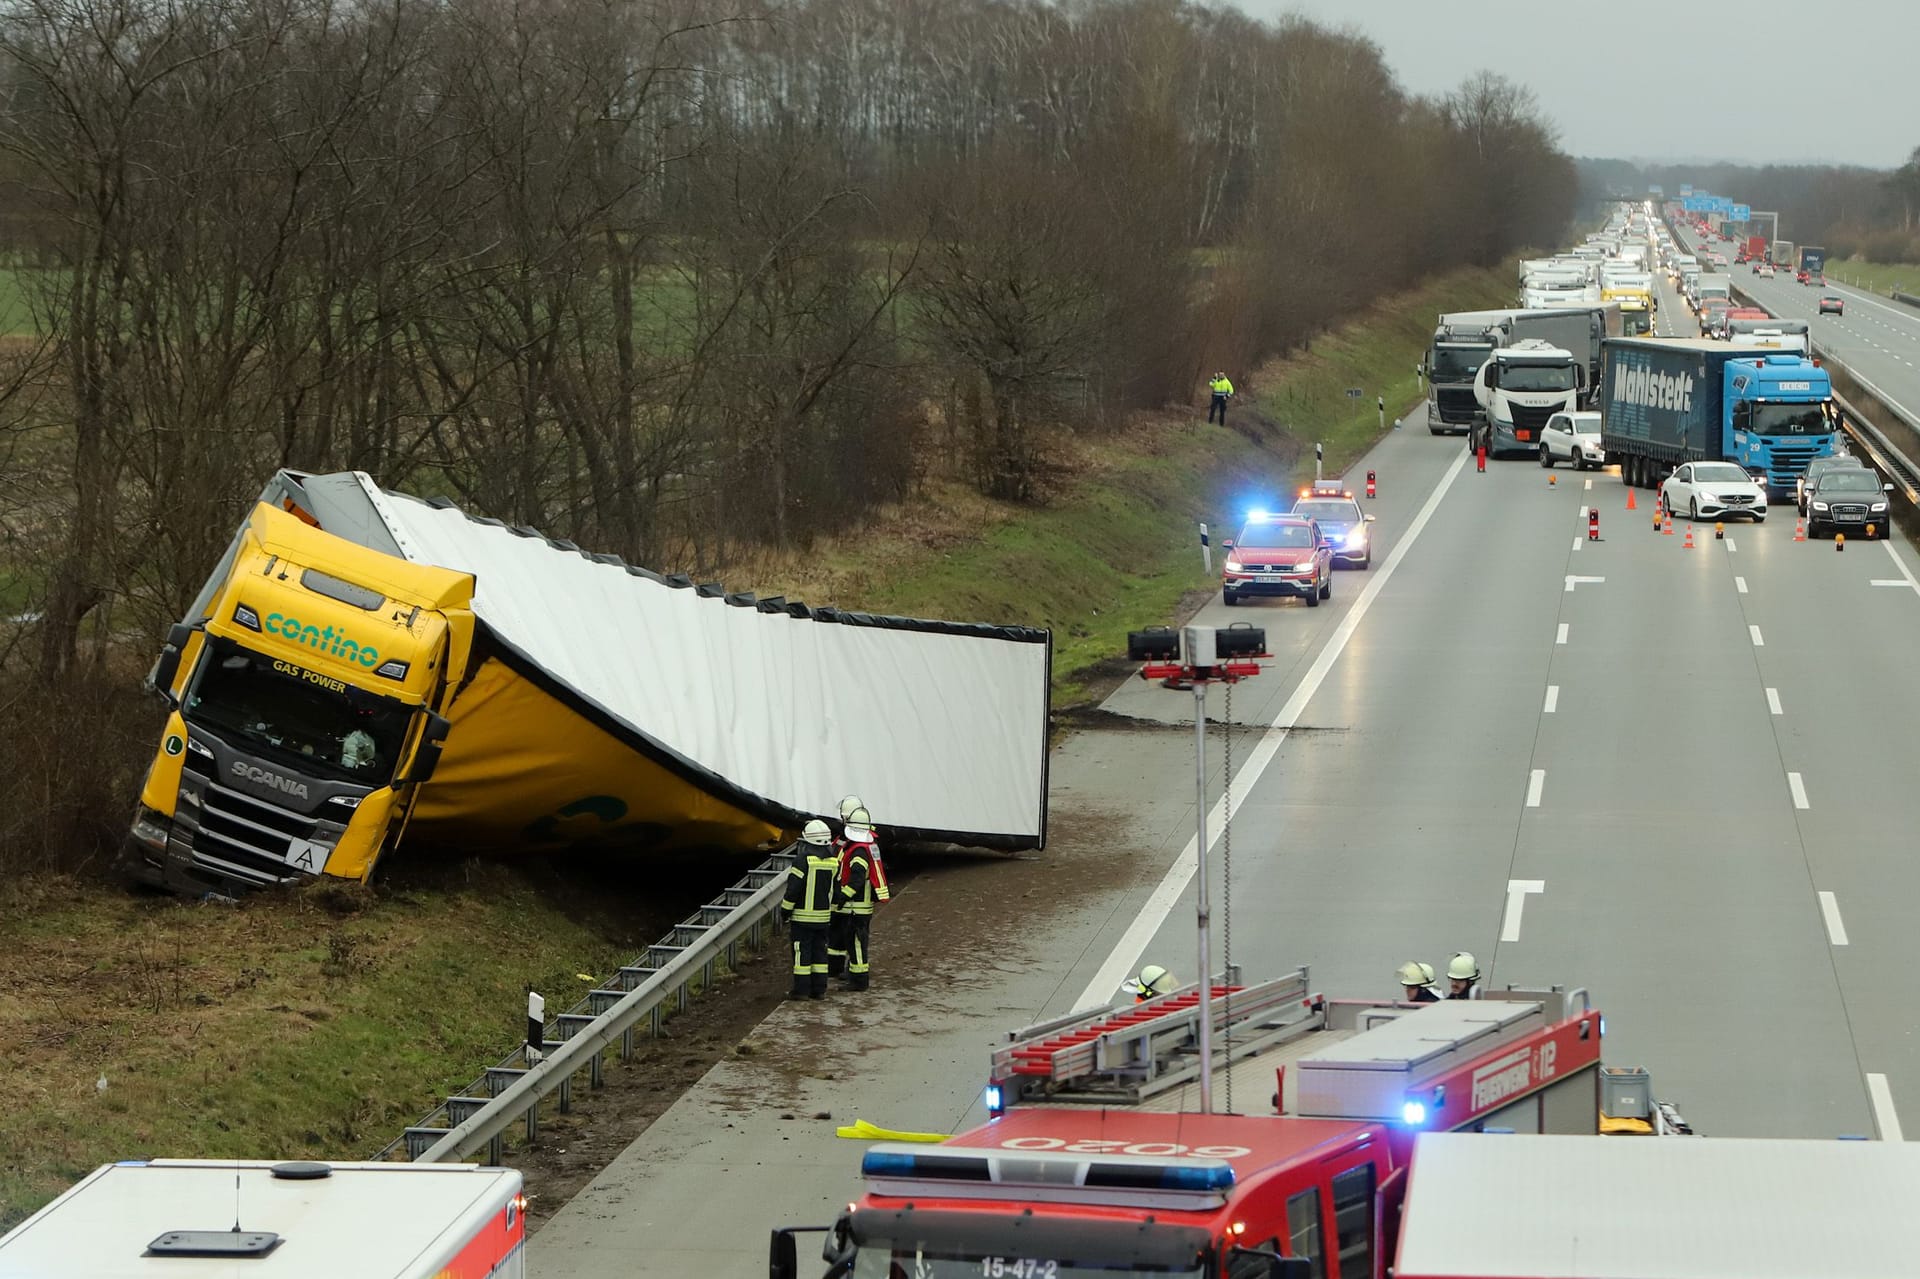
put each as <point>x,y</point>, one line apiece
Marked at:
<point>1267,577</point>
<point>1523,436</point>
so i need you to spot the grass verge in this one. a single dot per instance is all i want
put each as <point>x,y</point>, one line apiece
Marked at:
<point>321,1023</point>
<point>1876,277</point>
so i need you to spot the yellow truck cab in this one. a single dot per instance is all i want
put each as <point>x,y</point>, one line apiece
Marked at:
<point>305,710</point>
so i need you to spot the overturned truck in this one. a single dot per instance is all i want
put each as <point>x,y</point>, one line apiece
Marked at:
<point>363,665</point>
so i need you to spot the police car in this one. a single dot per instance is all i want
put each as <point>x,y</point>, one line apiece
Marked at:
<point>1332,507</point>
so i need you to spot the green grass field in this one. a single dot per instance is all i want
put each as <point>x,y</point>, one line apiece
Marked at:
<point>1876,277</point>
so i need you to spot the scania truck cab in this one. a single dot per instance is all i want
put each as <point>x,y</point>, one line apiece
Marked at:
<point>304,698</point>
<point>1520,387</point>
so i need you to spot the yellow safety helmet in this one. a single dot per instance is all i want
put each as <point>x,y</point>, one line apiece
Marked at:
<point>816,832</point>
<point>1153,980</point>
<point>847,806</point>
<point>1415,973</point>
<point>1463,967</point>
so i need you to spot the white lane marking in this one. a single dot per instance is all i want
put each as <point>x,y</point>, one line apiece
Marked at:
<point>1740,584</point>
<point>1901,564</point>
<point>1572,581</point>
<point>1836,931</point>
<point>1884,1116</point>
<point>1754,632</point>
<point>1731,548</point>
<point>1553,700</point>
<point>1126,952</point>
<point>1589,487</point>
<point>1773,701</point>
<point>1536,780</point>
<point>1560,637</point>
<point>1799,789</point>
<point>1517,890</point>
<point>1890,581</point>
<point>1578,542</point>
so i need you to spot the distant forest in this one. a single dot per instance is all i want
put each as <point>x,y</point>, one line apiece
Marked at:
<point>1854,212</point>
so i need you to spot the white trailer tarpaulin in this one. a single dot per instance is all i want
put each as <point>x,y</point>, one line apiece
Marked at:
<point>941,727</point>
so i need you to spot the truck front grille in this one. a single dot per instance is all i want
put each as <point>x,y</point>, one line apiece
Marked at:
<point>1456,406</point>
<point>1528,418</point>
<point>239,837</point>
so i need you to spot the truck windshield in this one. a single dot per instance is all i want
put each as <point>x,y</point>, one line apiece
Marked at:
<point>1456,363</point>
<point>317,723</point>
<point>1790,419</point>
<point>1536,377</point>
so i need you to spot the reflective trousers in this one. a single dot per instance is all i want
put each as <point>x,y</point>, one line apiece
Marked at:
<point>809,960</point>
<point>859,929</point>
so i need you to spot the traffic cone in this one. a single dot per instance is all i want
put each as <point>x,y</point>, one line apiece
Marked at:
<point>1553,479</point>
<point>1719,531</point>
<point>1631,504</point>
<point>1667,527</point>
<point>1800,530</point>
<point>1688,544</point>
<point>1839,541</point>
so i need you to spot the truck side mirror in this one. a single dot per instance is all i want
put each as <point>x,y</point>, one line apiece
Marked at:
<point>783,1258</point>
<point>1493,373</point>
<point>168,664</point>
<point>427,758</point>
<point>1278,1267</point>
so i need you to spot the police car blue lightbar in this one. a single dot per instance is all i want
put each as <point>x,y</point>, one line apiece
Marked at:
<point>1257,516</point>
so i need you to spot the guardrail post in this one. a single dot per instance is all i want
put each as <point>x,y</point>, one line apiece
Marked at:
<point>496,1151</point>
<point>566,1095</point>
<point>533,1121</point>
<point>595,1076</point>
<point>626,1044</point>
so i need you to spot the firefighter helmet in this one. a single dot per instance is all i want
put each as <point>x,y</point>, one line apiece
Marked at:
<point>1153,980</point>
<point>848,805</point>
<point>859,826</point>
<point>1415,973</point>
<point>1463,967</point>
<point>816,832</point>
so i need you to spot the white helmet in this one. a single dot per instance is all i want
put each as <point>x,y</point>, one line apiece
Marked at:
<point>859,826</point>
<point>1153,980</point>
<point>816,832</point>
<point>847,806</point>
<point>1463,967</point>
<point>1415,973</point>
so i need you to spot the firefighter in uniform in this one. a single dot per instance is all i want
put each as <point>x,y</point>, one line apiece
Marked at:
<point>862,885</point>
<point>1463,976</point>
<point>1417,979</point>
<point>1153,982</point>
<point>808,906</point>
<point>840,926</point>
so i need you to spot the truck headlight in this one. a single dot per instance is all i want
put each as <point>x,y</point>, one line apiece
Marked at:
<point>150,826</point>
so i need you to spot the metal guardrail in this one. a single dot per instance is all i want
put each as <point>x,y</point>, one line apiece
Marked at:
<point>667,970</point>
<point>1908,298</point>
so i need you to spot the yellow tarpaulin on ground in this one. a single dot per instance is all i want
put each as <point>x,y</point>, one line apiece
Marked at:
<point>861,1130</point>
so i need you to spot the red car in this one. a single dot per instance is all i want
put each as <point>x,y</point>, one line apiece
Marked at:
<point>1278,555</point>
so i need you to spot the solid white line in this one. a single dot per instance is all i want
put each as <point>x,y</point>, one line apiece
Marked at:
<point>1884,1117</point>
<point>1517,890</point>
<point>1889,581</point>
<point>1754,631</point>
<point>1901,565</point>
<point>1773,701</point>
<point>1553,699</point>
<point>1740,584</point>
<point>1799,789</point>
<point>1836,931</point>
<point>1120,962</point>
<point>1560,636</point>
<point>1535,781</point>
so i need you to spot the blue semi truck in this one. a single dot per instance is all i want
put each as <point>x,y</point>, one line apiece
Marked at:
<point>1664,401</point>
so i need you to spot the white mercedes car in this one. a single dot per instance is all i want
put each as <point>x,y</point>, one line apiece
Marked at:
<point>1572,437</point>
<point>1713,490</point>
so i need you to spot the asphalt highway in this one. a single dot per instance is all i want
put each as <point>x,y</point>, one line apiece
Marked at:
<point>1679,777</point>
<point>1878,339</point>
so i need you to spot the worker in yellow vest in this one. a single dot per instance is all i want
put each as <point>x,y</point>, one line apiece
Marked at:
<point>1221,389</point>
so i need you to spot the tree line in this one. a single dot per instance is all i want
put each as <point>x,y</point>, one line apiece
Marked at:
<point>670,278</point>
<point>1851,210</point>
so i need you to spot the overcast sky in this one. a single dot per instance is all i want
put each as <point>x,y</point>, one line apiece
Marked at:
<point>1614,76</point>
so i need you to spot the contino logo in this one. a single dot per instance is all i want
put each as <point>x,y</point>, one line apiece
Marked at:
<point>329,641</point>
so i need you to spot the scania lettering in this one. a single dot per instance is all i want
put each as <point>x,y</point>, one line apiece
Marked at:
<point>157,1219</point>
<point>1666,401</point>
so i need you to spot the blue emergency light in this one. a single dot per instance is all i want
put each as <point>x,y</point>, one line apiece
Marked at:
<point>995,1098</point>
<point>1255,517</point>
<point>1413,1113</point>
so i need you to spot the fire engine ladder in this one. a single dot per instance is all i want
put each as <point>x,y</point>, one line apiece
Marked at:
<point>1123,1056</point>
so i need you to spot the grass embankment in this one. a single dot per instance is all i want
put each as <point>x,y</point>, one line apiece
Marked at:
<point>280,1027</point>
<point>1876,277</point>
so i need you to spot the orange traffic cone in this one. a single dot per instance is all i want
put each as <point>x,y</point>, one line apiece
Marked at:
<point>1800,530</point>
<point>1553,479</point>
<point>1688,544</point>
<point>1667,527</point>
<point>1631,504</point>
<point>1839,541</point>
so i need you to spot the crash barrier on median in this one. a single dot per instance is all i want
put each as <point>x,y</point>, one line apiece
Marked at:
<point>667,971</point>
<point>1908,298</point>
